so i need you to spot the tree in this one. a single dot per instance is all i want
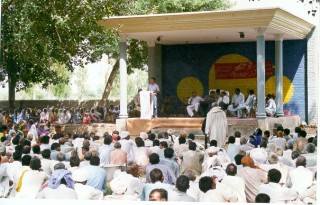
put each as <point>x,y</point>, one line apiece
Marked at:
<point>37,34</point>
<point>137,50</point>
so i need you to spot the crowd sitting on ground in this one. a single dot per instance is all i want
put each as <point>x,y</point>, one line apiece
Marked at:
<point>51,115</point>
<point>263,167</point>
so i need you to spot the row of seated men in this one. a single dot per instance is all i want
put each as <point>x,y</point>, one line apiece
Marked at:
<point>238,107</point>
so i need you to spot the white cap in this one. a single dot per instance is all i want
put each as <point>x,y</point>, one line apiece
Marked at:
<point>80,175</point>
<point>124,134</point>
<point>118,186</point>
<point>259,156</point>
<point>144,135</point>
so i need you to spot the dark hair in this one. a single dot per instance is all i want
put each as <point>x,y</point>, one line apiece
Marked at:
<point>191,136</point>
<point>55,145</point>
<point>251,91</point>
<point>168,153</point>
<point>297,129</point>
<point>262,198</point>
<point>25,160</point>
<point>237,134</point>
<point>17,156</point>
<point>267,132</point>
<point>263,144</point>
<point>107,140</point>
<point>95,161</point>
<point>88,155</point>
<point>57,136</point>
<point>258,131</point>
<point>274,175</point>
<point>26,149</point>
<point>156,143</point>
<point>46,154</point>
<point>152,136</point>
<point>153,78</point>
<point>231,169</point>
<point>35,163</point>
<point>280,128</point>
<point>16,140</point>
<point>205,184</point>
<point>3,138</point>
<point>295,154</point>
<point>301,161</point>
<point>213,143</point>
<point>231,140</point>
<point>238,159</point>
<point>182,183</point>
<point>162,192</point>
<point>18,148</point>
<point>139,142</point>
<point>154,158</point>
<point>303,134</point>
<point>192,146</point>
<point>164,144</point>
<point>74,161</point>
<point>286,131</point>
<point>25,142</point>
<point>45,139</point>
<point>36,149</point>
<point>182,140</point>
<point>156,175</point>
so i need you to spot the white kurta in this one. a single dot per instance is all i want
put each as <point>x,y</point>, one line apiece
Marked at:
<point>193,105</point>
<point>217,125</point>
<point>236,100</point>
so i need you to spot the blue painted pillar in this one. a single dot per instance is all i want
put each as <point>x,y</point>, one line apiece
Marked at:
<point>279,73</point>
<point>261,79</point>
<point>123,79</point>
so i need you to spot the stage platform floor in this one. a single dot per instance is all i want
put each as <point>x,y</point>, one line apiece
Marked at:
<point>245,125</point>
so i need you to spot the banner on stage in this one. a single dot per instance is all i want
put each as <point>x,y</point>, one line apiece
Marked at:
<point>240,70</point>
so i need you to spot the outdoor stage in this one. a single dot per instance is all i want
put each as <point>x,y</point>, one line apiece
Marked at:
<point>246,125</point>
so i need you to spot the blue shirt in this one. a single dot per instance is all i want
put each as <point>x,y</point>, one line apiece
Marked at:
<point>173,166</point>
<point>104,154</point>
<point>168,175</point>
<point>256,141</point>
<point>97,177</point>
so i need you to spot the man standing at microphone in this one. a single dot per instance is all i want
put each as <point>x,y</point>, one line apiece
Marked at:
<point>154,89</point>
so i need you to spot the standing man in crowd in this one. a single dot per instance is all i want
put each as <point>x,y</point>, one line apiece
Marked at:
<point>154,89</point>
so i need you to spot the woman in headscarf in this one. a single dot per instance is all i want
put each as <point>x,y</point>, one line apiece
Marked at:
<point>22,116</point>
<point>60,186</point>
<point>33,131</point>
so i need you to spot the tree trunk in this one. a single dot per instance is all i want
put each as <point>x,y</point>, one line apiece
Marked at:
<point>109,84</point>
<point>12,90</point>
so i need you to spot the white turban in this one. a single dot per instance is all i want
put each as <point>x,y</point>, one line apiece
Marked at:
<point>80,175</point>
<point>118,186</point>
<point>144,135</point>
<point>259,156</point>
<point>124,134</point>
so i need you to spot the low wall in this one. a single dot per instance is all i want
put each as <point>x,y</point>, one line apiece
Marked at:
<point>55,103</point>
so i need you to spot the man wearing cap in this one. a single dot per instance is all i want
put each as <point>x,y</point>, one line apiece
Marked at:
<point>127,145</point>
<point>84,191</point>
<point>119,187</point>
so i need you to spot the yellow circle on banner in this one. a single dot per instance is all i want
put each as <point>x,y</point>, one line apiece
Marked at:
<point>231,84</point>
<point>188,85</point>
<point>288,88</point>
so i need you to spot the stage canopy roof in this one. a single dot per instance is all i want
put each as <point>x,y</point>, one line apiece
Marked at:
<point>210,27</point>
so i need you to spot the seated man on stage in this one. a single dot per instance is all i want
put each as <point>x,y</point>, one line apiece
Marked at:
<point>237,99</point>
<point>247,105</point>
<point>223,101</point>
<point>206,104</point>
<point>193,104</point>
<point>270,106</point>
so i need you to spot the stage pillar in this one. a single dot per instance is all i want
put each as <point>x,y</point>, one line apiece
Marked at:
<point>279,73</point>
<point>123,78</point>
<point>261,74</point>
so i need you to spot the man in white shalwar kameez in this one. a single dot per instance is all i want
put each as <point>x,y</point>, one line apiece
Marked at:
<point>237,99</point>
<point>193,104</point>
<point>217,125</point>
<point>247,105</point>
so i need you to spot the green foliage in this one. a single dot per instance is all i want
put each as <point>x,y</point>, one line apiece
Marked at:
<point>37,34</point>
